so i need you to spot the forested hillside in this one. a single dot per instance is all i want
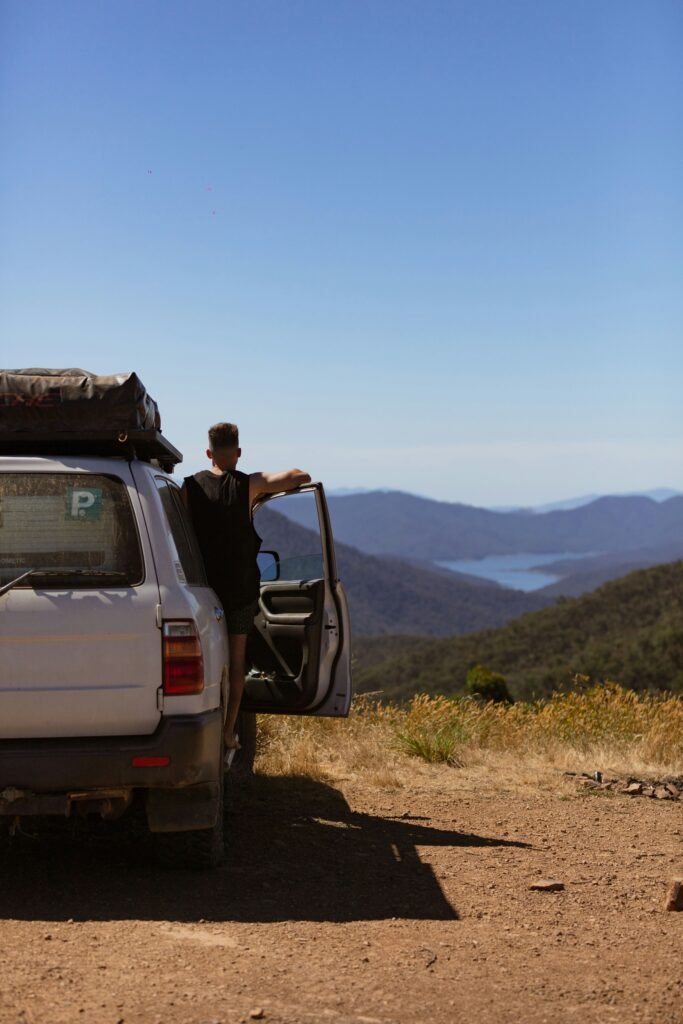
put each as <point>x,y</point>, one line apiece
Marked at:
<point>582,575</point>
<point>629,630</point>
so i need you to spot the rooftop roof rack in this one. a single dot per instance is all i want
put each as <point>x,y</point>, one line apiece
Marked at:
<point>147,445</point>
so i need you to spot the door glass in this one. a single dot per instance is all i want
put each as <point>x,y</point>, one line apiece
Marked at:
<point>181,531</point>
<point>298,549</point>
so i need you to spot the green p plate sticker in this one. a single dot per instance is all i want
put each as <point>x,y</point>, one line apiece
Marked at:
<point>83,503</point>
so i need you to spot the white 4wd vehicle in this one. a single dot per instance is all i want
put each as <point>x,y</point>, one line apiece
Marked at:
<point>113,649</point>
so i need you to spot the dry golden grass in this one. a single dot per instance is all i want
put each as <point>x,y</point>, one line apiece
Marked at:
<point>481,745</point>
<point>327,748</point>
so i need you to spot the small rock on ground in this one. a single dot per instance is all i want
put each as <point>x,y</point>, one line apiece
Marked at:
<point>674,900</point>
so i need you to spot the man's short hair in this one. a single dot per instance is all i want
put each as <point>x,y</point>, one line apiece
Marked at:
<point>223,435</point>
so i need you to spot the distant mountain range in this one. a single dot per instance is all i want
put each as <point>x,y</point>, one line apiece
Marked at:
<point>658,494</point>
<point>389,595</point>
<point>629,631</point>
<point>402,525</point>
<point>386,543</point>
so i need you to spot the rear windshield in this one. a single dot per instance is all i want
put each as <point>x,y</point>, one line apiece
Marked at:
<point>74,529</point>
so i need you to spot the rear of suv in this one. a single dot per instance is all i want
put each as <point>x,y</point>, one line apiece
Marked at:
<point>113,648</point>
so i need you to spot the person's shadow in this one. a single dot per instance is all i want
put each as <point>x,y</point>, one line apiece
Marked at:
<point>296,851</point>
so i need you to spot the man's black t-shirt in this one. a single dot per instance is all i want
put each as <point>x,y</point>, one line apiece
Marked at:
<point>221,515</point>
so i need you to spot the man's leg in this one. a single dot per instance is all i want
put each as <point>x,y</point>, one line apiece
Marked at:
<point>237,643</point>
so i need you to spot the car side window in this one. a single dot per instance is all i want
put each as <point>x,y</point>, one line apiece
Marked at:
<point>181,531</point>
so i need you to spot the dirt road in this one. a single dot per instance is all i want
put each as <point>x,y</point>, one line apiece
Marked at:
<point>346,903</point>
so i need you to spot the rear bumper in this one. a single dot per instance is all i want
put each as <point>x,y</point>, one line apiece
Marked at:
<point>191,742</point>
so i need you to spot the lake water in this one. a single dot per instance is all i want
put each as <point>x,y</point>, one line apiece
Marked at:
<point>517,571</point>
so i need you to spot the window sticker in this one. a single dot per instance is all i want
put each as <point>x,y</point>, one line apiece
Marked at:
<point>83,503</point>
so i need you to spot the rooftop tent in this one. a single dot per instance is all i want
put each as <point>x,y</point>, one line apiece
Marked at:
<point>72,411</point>
<point>74,400</point>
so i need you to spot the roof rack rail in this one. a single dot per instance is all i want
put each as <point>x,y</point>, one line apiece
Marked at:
<point>147,445</point>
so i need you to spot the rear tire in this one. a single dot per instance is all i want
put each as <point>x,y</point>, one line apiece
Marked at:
<point>198,848</point>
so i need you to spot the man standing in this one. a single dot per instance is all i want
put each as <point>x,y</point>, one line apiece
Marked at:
<point>220,502</point>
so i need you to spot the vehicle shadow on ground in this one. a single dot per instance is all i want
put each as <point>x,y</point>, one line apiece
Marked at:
<point>296,851</point>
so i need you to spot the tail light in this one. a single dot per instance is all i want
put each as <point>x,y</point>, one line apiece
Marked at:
<point>183,662</point>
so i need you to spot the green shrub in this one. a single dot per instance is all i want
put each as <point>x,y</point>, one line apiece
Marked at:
<point>481,682</point>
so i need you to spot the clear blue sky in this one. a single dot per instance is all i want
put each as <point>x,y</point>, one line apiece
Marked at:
<point>435,246</point>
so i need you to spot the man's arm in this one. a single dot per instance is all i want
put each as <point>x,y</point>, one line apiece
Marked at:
<point>270,483</point>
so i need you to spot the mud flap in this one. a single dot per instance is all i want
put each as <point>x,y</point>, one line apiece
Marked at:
<point>183,810</point>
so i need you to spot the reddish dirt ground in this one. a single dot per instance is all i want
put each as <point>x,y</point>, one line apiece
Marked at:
<point>346,903</point>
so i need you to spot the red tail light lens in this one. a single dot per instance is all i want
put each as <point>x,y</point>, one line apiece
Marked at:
<point>183,663</point>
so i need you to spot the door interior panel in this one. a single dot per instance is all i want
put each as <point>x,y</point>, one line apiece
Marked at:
<point>283,651</point>
<point>296,604</point>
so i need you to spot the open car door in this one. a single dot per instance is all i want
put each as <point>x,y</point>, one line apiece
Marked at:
<point>299,652</point>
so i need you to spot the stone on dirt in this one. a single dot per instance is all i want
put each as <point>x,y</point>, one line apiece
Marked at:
<point>674,900</point>
<point>547,885</point>
<point>669,788</point>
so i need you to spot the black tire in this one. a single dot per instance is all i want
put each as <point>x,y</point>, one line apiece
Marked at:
<point>198,848</point>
